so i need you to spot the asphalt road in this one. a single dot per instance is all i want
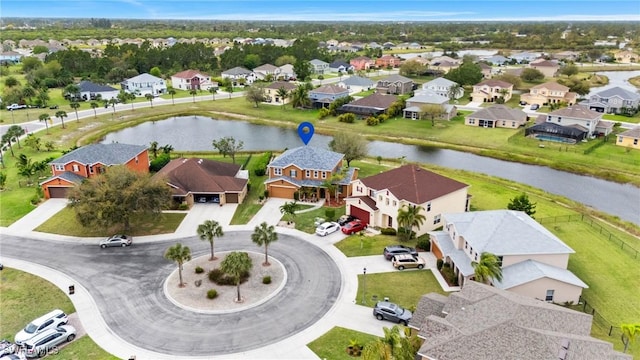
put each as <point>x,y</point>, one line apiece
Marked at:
<point>126,284</point>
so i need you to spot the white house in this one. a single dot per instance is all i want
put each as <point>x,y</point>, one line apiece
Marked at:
<point>144,84</point>
<point>356,84</point>
<point>91,91</point>
<point>442,86</point>
<point>192,80</point>
<point>265,70</point>
<point>319,67</point>
<point>238,73</point>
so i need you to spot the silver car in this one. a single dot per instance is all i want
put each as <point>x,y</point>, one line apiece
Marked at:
<point>116,240</point>
<point>327,228</point>
<point>385,310</point>
<point>45,341</point>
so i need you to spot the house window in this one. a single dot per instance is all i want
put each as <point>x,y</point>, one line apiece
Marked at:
<point>307,173</point>
<point>504,123</point>
<point>513,124</point>
<point>395,203</point>
<point>293,173</point>
<point>466,245</point>
<point>436,219</point>
<point>277,171</point>
<point>387,201</point>
<point>379,197</point>
<point>90,169</point>
<point>75,168</point>
<point>324,174</point>
<point>500,261</point>
<point>136,159</point>
<point>315,174</point>
<point>549,296</point>
<point>470,250</point>
<point>472,121</point>
<point>619,140</point>
<point>61,167</point>
<point>635,141</point>
<point>428,206</point>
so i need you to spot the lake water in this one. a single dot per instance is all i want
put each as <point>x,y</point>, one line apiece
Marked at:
<point>616,78</point>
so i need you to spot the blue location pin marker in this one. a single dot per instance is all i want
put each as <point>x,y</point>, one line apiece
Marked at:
<point>305,131</point>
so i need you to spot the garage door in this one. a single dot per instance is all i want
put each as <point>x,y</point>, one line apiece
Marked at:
<point>58,192</point>
<point>281,192</point>
<point>231,198</point>
<point>363,215</point>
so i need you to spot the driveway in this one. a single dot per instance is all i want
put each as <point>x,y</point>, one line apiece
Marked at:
<point>201,212</point>
<point>38,216</point>
<point>269,213</point>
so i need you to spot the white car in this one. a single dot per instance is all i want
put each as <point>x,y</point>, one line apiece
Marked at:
<point>327,228</point>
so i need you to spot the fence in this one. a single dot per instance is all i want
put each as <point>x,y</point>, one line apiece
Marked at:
<point>598,320</point>
<point>627,248</point>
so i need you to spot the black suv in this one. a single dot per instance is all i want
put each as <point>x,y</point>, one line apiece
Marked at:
<point>392,250</point>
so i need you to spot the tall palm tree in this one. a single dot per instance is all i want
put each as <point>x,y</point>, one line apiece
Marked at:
<point>454,91</point>
<point>45,118</point>
<point>150,98</point>
<point>61,114</point>
<point>410,216</point>
<point>283,94</point>
<point>73,91</point>
<point>209,230</point>
<point>288,209</point>
<point>236,264</point>
<point>167,149</point>
<point>179,254</point>
<point>75,105</point>
<point>213,92</point>
<point>264,235</point>
<point>300,97</point>
<point>94,106</point>
<point>629,333</point>
<point>153,149</point>
<point>171,91</point>
<point>193,93</point>
<point>487,269</point>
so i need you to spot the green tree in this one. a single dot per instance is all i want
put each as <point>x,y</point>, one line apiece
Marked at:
<point>193,93</point>
<point>149,97</point>
<point>432,111</point>
<point>264,235</point>
<point>255,94</point>
<point>3,179</point>
<point>75,105</point>
<point>213,91</point>
<point>28,92</point>
<point>228,146</point>
<point>167,149</point>
<point>487,269</point>
<point>531,75</point>
<point>155,71</point>
<point>236,264</point>
<point>303,70</point>
<point>209,230</point>
<point>465,74</point>
<point>393,346</point>
<point>412,68</point>
<point>522,203</point>
<point>351,144</point>
<point>569,70</point>
<point>285,59</point>
<point>33,142</point>
<point>61,114</point>
<point>94,106</point>
<point>252,61</point>
<point>13,132</point>
<point>45,117</point>
<point>288,209</point>
<point>300,97</point>
<point>11,81</point>
<point>43,97</point>
<point>115,196</point>
<point>171,91</point>
<point>409,217</point>
<point>179,254</point>
<point>72,92</point>
<point>153,149</point>
<point>283,94</point>
<point>629,334</point>
<point>455,91</point>
<point>30,63</point>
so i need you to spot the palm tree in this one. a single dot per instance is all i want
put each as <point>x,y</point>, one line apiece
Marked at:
<point>45,118</point>
<point>629,333</point>
<point>61,114</point>
<point>153,149</point>
<point>132,98</point>
<point>264,235</point>
<point>28,92</point>
<point>75,105</point>
<point>236,264</point>
<point>410,216</point>
<point>330,186</point>
<point>393,346</point>
<point>171,91</point>
<point>94,106</point>
<point>300,97</point>
<point>213,92</point>
<point>193,93</point>
<point>209,230</point>
<point>179,254</point>
<point>73,91</point>
<point>150,98</point>
<point>113,102</point>
<point>454,91</point>
<point>167,149</point>
<point>283,94</point>
<point>487,269</point>
<point>288,209</point>
<point>229,89</point>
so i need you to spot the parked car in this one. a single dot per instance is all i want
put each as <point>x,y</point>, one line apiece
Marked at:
<point>393,250</point>
<point>53,107</point>
<point>535,107</point>
<point>16,107</point>
<point>45,322</point>
<point>407,261</point>
<point>327,228</point>
<point>353,227</point>
<point>6,347</point>
<point>344,219</point>
<point>385,310</point>
<point>42,343</point>
<point>116,240</point>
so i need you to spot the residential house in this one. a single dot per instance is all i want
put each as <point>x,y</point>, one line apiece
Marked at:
<point>497,60</point>
<point>374,104</point>
<point>205,181</point>
<point>491,323</point>
<point>549,93</point>
<point>340,66</point>
<point>629,138</point>
<point>534,263</point>
<point>10,57</point>
<point>144,84</point>
<point>362,63</point>
<point>272,95</point>
<point>92,91</point>
<point>239,76</point>
<point>193,80</point>
<point>395,84</point>
<point>547,67</point>
<point>443,64</point>
<point>308,170</point>
<point>615,100</point>
<point>267,70</point>
<point>497,116</point>
<point>567,55</point>
<point>89,161</point>
<point>286,73</point>
<point>414,105</point>
<point>442,87</point>
<point>490,90</point>
<point>626,57</point>
<point>485,69</point>
<point>525,57</point>
<point>319,67</point>
<point>388,61</point>
<point>577,117</point>
<point>326,94</point>
<point>356,84</point>
<point>376,200</point>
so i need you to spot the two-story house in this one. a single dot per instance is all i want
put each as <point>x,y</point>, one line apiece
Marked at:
<point>144,84</point>
<point>319,67</point>
<point>442,87</point>
<point>395,84</point>
<point>92,91</point>
<point>388,61</point>
<point>626,57</point>
<point>272,92</point>
<point>193,80</point>
<point>615,100</point>
<point>491,90</point>
<point>415,105</point>
<point>497,116</point>
<point>238,75</point>
<point>356,84</point>
<point>307,170</point>
<point>326,94</point>
<point>547,67</point>
<point>577,118</point>
<point>362,63</point>
<point>376,200</point>
<point>549,93</point>
<point>286,73</point>
<point>629,138</point>
<point>340,66</point>
<point>88,161</point>
<point>267,71</point>
<point>533,260</point>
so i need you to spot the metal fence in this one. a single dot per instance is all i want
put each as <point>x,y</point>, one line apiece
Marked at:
<point>598,320</point>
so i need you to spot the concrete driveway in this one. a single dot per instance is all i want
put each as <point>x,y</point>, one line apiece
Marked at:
<point>38,216</point>
<point>201,212</point>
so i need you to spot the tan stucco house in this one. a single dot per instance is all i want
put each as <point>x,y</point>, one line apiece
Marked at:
<point>629,138</point>
<point>490,90</point>
<point>497,116</point>
<point>271,92</point>
<point>547,67</point>
<point>549,93</point>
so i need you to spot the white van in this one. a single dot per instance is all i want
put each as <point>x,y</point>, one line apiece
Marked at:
<point>49,321</point>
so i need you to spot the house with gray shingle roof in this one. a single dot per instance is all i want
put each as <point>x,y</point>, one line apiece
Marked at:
<point>326,94</point>
<point>416,104</point>
<point>442,87</point>
<point>306,170</point>
<point>497,116</point>
<point>491,323</point>
<point>319,67</point>
<point>629,138</point>
<point>89,161</point>
<point>374,104</point>
<point>581,117</point>
<point>377,199</point>
<point>90,91</point>
<point>615,100</point>
<point>533,260</point>
<point>238,75</point>
<point>356,84</point>
<point>144,84</point>
<point>395,84</point>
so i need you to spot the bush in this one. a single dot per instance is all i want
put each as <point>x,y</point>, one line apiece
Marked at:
<point>159,162</point>
<point>320,77</point>
<point>323,113</point>
<point>348,118</point>
<point>330,213</point>
<point>439,264</point>
<point>402,231</point>
<point>372,121</point>
<point>260,171</point>
<point>183,207</point>
<point>388,231</point>
<point>199,270</point>
<point>212,294</point>
<point>423,242</point>
<point>382,118</point>
<point>220,278</point>
<point>266,194</point>
<point>296,195</point>
<point>266,280</point>
<point>215,275</point>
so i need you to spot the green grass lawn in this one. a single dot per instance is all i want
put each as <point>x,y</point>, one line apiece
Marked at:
<point>401,287</point>
<point>633,119</point>
<point>250,206</point>
<point>25,297</point>
<point>305,221</point>
<point>356,245</point>
<point>332,345</point>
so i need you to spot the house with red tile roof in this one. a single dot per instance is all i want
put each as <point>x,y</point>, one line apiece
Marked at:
<point>375,200</point>
<point>192,80</point>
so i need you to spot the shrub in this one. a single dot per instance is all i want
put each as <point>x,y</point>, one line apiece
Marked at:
<point>296,195</point>
<point>183,207</point>
<point>402,231</point>
<point>266,280</point>
<point>323,113</point>
<point>320,77</point>
<point>372,121</point>
<point>348,118</point>
<point>212,294</point>
<point>260,171</point>
<point>215,275</point>
<point>261,197</point>
<point>220,278</point>
<point>382,118</point>
<point>199,270</point>
<point>159,162</point>
<point>266,194</point>
<point>329,213</point>
<point>439,263</point>
<point>388,231</point>
<point>423,242</point>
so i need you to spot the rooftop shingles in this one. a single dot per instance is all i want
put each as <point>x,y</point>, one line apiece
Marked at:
<point>530,270</point>
<point>202,176</point>
<point>308,158</point>
<point>107,154</point>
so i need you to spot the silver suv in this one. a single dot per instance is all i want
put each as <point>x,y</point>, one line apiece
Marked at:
<point>385,310</point>
<point>47,340</point>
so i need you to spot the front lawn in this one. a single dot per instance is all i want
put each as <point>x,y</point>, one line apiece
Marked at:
<point>404,288</point>
<point>251,205</point>
<point>305,221</point>
<point>356,245</point>
<point>333,344</point>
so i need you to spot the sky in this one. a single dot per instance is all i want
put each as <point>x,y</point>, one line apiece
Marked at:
<point>329,10</point>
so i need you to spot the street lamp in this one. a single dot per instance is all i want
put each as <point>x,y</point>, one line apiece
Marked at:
<point>364,284</point>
